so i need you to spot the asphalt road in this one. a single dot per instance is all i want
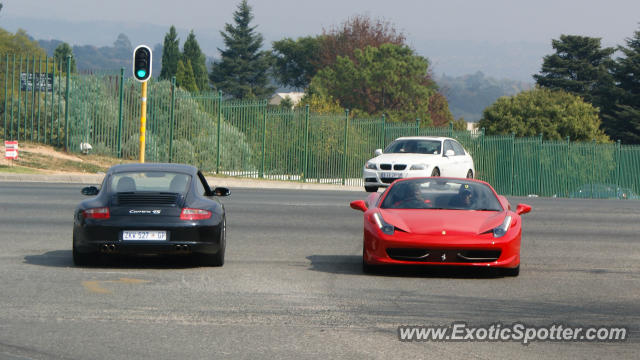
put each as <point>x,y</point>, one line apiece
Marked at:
<point>292,286</point>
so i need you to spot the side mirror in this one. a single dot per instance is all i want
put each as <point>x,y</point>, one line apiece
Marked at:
<point>90,191</point>
<point>449,153</point>
<point>378,152</point>
<point>221,191</point>
<point>522,209</point>
<point>359,205</point>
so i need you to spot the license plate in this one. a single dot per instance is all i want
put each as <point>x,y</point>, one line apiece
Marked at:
<point>144,235</point>
<point>391,175</point>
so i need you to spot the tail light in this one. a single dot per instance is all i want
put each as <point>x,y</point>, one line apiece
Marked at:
<point>194,214</point>
<point>96,213</point>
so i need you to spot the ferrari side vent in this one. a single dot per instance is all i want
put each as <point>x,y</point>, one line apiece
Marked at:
<point>147,199</point>
<point>408,254</point>
<point>479,255</point>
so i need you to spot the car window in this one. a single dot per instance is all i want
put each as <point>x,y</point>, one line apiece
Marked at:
<point>413,146</point>
<point>449,194</point>
<point>202,185</point>
<point>447,146</point>
<point>154,181</point>
<point>457,148</point>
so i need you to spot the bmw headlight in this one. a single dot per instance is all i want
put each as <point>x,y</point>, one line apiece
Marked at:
<point>370,166</point>
<point>384,227</point>
<point>418,167</point>
<point>503,228</point>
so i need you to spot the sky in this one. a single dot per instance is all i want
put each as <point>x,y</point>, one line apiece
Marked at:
<point>433,28</point>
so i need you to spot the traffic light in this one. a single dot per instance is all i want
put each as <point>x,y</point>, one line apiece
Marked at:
<point>142,63</point>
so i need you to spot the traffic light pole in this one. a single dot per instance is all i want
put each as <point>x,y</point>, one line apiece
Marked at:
<point>143,120</point>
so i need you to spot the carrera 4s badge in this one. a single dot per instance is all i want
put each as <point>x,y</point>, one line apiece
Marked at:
<point>145,212</point>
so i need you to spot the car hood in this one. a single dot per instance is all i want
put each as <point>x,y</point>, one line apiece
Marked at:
<point>405,158</point>
<point>432,221</point>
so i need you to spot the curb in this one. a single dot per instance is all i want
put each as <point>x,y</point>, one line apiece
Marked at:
<point>93,179</point>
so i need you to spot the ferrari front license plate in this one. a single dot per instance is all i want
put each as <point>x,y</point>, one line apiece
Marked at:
<point>391,175</point>
<point>144,235</point>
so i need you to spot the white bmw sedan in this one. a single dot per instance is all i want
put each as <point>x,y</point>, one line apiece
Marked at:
<point>417,156</point>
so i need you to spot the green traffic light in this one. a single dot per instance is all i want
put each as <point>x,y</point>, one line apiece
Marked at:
<point>142,73</point>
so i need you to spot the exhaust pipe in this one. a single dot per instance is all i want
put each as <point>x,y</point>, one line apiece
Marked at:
<point>108,248</point>
<point>183,248</point>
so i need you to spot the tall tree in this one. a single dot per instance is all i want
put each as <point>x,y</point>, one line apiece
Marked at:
<point>389,80</point>
<point>582,67</point>
<point>184,76</point>
<point>170,54</point>
<point>242,70</point>
<point>356,32</point>
<point>191,52</point>
<point>295,61</point>
<point>625,118</point>
<point>554,113</point>
<point>60,55</point>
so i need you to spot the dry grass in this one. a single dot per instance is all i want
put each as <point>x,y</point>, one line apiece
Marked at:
<point>38,158</point>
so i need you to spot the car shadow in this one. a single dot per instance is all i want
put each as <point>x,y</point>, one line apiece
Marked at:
<point>352,265</point>
<point>64,258</point>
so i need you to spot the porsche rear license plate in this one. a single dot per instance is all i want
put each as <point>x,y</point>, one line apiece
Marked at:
<point>144,235</point>
<point>391,175</point>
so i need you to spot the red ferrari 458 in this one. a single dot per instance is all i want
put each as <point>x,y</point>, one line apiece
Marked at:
<point>441,221</point>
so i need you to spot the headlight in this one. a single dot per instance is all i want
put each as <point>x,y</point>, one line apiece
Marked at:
<point>384,227</point>
<point>502,229</point>
<point>370,166</point>
<point>418,167</point>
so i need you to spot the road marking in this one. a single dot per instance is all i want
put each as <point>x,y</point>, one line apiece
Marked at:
<point>95,286</point>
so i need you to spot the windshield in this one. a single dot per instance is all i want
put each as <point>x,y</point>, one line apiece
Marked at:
<point>438,193</point>
<point>155,181</point>
<point>414,146</point>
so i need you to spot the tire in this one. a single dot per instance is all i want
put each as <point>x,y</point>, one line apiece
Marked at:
<point>366,267</point>
<point>371,188</point>
<point>511,271</point>
<point>216,259</point>
<point>469,174</point>
<point>83,259</point>
<point>435,172</point>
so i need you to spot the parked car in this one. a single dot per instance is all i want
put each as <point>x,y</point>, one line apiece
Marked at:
<point>417,156</point>
<point>150,209</point>
<point>603,191</point>
<point>441,221</point>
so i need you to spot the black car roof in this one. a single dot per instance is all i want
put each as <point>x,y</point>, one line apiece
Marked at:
<point>182,168</point>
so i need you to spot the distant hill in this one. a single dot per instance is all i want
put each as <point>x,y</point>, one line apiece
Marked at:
<point>93,58</point>
<point>469,95</point>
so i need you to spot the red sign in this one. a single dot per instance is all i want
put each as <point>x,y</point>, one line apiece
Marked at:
<point>10,149</point>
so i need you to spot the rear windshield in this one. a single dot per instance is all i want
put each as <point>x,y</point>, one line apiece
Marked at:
<point>414,146</point>
<point>154,181</point>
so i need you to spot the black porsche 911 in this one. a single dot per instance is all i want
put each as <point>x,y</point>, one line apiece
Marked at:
<point>150,208</point>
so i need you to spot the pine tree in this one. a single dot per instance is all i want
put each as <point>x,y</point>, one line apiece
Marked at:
<point>170,54</point>
<point>242,70</point>
<point>184,76</point>
<point>191,52</point>
<point>626,116</point>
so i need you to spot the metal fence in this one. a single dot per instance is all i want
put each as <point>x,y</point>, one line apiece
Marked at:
<point>40,102</point>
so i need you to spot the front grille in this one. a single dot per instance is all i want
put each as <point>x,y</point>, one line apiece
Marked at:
<point>443,256</point>
<point>388,180</point>
<point>146,199</point>
<point>385,166</point>
<point>370,180</point>
<point>399,167</point>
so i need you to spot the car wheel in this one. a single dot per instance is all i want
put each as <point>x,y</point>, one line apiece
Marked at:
<point>366,267</point>
<point>435,172</point>
<point>371,188</point>
<point>216,259</point>
<point>511,271</point>
<point>469,174</point>
<point>82,259</point>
